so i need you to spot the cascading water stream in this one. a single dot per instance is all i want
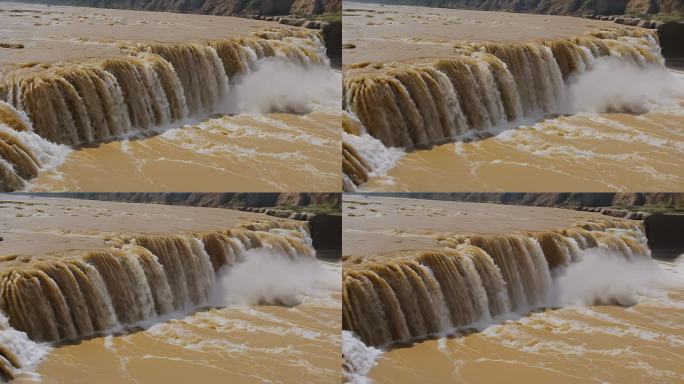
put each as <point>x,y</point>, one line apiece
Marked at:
<point>475,279</point>
<point>484,88</point>
<point>17,351</point>
<point>139,278</point>
<point>147,89</point>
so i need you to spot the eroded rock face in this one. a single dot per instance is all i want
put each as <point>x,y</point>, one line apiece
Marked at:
<point>272,7</point>
<point>315,7</point>
<point>332,33</point>
<point>610,7</point>
<point>642,6</point>
<point>326,233</point>
<point>331,199</point>
<point>306,7</point>
<point>671,36</point>
<point>664,233</point>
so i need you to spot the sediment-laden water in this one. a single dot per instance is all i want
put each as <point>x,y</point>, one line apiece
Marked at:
<point>573,344</point>
<point>149,87</point>
<point>602,308</point>
<point>243,152</point>
<point>477,278</point>
<point>136,280</point>
<point>607,85</point>
<point>245,344</point>
<point>492,83</point>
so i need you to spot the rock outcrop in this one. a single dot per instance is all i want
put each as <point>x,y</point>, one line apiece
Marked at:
<point>664,233</point>
<point>314,7</point>
<point>671,36</point>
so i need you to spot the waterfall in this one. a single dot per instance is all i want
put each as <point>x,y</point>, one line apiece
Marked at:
<point>483,88</point>
<point>412,295</point>
<point>150,86</point>
<point>22,152</point>
<point>17,351</point>
<point>79,294</point>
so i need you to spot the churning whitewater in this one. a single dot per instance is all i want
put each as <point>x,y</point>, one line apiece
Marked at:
<point>81,294</point>
<point>478,286</point>
<point>616,318</point>
<point>60,291</point>
<point>474,280</point>
<point>487,88</point>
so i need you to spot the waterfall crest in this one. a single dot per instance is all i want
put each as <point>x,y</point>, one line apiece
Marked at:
<point>149,87</point>
<point>78,294</point>
<point>407,296</point>
<point>476,92</point>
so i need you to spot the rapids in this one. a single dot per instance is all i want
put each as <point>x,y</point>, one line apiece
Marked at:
<point>135,281</point>
<point>487,88</point>
<point>407,296</point>
<point>47,108</point>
